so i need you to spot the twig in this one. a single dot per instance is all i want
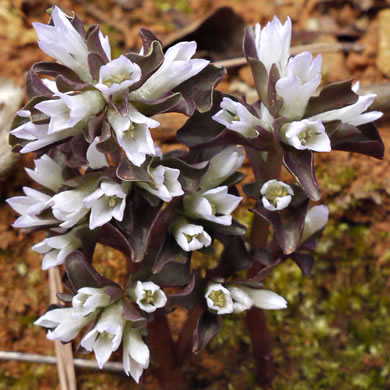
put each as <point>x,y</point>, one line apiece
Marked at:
<point>79,363</point>
<point>314,48</point>
<point>64,352</point>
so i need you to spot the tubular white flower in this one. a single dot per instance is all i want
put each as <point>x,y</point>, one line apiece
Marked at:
<point>106,336</point>
<point>302,78</point>
<point>315,220</point>
<point>47,172</point>
<point>235,116</point>
<point>266,299</point>
<point>63,325</point>
<point>39,136</point>
<point>136,353</point>
<point>149,296</point>
<point>273,44</point>
<point>118,75</point>
<point>106,202</point>
<point>306,134</point>
<point>95,158</point>
<point>68,205</point>
<point>57,248</point>
<point>64,43</point>
<point>176,68</point>
<point>88,300</point>
<point>165,183</point>
<point>190,237</point>
<point>276,195</point>
<point>218,298</point>
<point>241,300</point>
<point>69,110</point>
<point>222,166</point>
<point>29,207</point>
<point>353,114</point>
<point>214,205</point>
<point>132,132</point>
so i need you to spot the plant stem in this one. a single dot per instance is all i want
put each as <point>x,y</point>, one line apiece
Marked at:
<point>265,167</point>
<point>168,372</point>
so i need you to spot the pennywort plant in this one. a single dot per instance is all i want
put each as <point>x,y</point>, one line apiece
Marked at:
<point>103,180</point>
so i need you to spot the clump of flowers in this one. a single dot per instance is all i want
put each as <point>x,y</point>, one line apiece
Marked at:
<point>103,180</point>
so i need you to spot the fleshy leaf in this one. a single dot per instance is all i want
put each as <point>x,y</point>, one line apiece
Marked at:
<point>54,69</point>
<point>287,223</point>
<point>158,106</point>
<point>304,261</point>
<point>127,171</point>
<point>364,139</point>
<point>301,164</point>
<point>333,96</point>
<point>35,87</point>
<point>249,45</point>
<point>208,326</point>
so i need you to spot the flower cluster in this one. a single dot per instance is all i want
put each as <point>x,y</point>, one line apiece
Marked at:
<point>103,179</point>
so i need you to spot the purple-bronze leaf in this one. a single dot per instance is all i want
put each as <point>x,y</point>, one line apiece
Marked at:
<point>249,45</point>
<point>149,62</point>
<point>95,127</point>
<point>95,62</point>
<point>137,225</point>
<point>364,139</point>
<point>168,253</point>
<point>198,90</point>
<point>54,69</point>
<point>260,77</point>
<point>94,43</point>
<point>234,258</point>
<point>158,106</point>
<point>147,38</point>
<point>129,172</point>
<point>81,273</point>
<point>235,229</point>
<point>287,223</point>
<point>190,175</point>
<point>132,313</point>
<point>274,101</point>
<point>333,96</point>
<point>304,261</point>
<point>35,87</point>
<point>301,164</point>
<point>207,328</point>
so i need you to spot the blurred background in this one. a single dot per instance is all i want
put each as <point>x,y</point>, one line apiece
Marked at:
<point>335,333</point>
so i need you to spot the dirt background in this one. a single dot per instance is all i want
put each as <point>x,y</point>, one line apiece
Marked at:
<point>336,330</point>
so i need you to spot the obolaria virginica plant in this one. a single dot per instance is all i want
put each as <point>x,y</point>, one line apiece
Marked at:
<point>104,181</point>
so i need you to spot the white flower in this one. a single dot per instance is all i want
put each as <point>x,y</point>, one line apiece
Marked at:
<point>273,44</point>
<point>106,202</point>
<point>214,205</point>
<point>95,158</point>
<point>276,195</point>
<point>66,327</point>
<point>87,300</point>
<point>165,184</point>
<point>68,205</point>
<point>106,336</point>
<point>69,110</point>
<point>64,43</point>
<point>241,300</point>
<point>132,132</point>
<point>29,207</point>
<point>176,68</point>
<point>316,219</point>
<point>136,353</point>
<point>38,135</point>
<point>47,172</point>
<point>222,166</point>
<point>118,75</point>
<point>265,299</point>
<point>302,78</point>
<point>353,114</point>
<point>149,296</point>
<point>57,248</point>
<point>190,237</point>
<point>235,116</point>
<point>306,134</point>
<point>218,298</point>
